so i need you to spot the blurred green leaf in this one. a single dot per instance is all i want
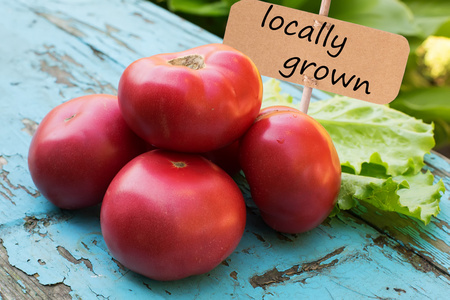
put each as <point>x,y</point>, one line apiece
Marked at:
<point>200,7</point>
<point>429,15</point>
<point>443,30</point>
<point>425,103</point>
<point>388,15</point>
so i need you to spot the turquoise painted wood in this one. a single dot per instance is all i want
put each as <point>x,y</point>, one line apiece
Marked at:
<point>54,50</point>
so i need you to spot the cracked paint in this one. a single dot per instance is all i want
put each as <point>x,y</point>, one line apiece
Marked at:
<point>66,254</point>
<point>274,276</point>
<point>59,74</point>
<point>30,126</point>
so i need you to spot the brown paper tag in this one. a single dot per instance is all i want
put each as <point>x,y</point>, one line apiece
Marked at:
<point>318,51</point>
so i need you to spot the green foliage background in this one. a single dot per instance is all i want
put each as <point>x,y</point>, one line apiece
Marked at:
<point>425,91</point>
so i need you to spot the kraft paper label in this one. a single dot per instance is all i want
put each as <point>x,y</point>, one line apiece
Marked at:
<point>318,51</point>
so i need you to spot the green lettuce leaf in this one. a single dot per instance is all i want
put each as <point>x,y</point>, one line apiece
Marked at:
<point>372,135</point>
<point>412,195</point>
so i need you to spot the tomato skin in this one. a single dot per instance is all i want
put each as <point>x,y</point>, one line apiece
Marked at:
<point>78,148</point>
<point>167,222</point>
<point>276,108</point>
<point>178,108</point>
<point>292,168</point>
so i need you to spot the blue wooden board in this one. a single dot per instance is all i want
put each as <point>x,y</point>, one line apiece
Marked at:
<point>52,51</point>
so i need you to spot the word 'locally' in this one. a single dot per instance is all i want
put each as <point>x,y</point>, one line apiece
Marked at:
<point>307,32</point>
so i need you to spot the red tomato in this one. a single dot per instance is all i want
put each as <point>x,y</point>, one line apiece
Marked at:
<point>78,148</point>
<point>169,215</point>
<point>197,100</point>
<point>292,168</point>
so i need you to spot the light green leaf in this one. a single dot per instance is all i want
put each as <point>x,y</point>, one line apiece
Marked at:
<point>372,134</point>
<point>414,195</point>
<point>422,198</point>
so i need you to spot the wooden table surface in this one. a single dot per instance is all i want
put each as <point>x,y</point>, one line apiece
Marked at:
<point>55,50</point>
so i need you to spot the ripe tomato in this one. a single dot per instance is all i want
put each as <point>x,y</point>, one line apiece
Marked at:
<point>197,100</point>
<point>292,168</point>
<point>169,215</point>
<point>78,148</point>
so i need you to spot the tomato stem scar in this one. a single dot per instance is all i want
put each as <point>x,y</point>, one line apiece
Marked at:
<point>194,61</point>
<point>70,118</point>
<point>179,164</point>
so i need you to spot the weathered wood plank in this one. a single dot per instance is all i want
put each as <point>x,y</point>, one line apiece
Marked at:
<point>16,284</point>
<point>57,50</point>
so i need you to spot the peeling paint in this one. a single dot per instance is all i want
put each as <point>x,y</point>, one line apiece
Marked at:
<point>30,126</point>
<point>4,176</point>
<point>146,20</point>
<point>421,264</point>
<point>69,25</point>
<point>63,24</point>
<point>7,187</point>
<point>16,284</point>
<point>66,254</point>
<point>59,74</point>
<point>274,276</point>
<point>122,268</point>
<point>416,260</point>
<point>283,237</point>
<point>399,291</point>
<point>259,237</point>
<point>234,275</point>
<point>3,162</point>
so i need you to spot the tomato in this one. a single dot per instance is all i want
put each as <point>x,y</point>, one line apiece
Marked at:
<point>169,215</point>
<point>197,100</point>
<point>78,148</point>
<point>292,168</point>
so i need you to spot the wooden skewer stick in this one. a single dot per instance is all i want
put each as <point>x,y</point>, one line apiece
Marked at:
<point>307,91</point>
